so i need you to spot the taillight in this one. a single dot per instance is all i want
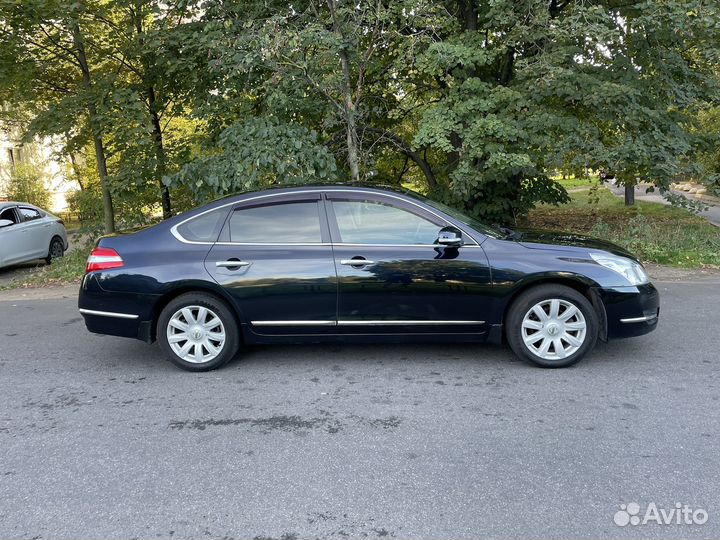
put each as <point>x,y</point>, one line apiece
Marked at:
<point>103,258</point>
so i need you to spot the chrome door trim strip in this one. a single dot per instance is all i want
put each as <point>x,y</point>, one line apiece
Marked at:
<point>404,323</point>
<point>364,323</point>
<point>639,319</point>
<point>178,236</point>
<point>293,323</point>
<point>108,314</point>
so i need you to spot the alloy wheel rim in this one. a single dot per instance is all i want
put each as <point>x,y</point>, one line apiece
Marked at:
<point>554,329</point>
<point>196,334</point>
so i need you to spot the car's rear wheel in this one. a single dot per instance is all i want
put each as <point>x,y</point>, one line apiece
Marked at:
<point>56,249</point>
<point>552,326</point>
<point>198,332</point>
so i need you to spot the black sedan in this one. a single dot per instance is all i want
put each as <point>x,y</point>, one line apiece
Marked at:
<point>358,264</point>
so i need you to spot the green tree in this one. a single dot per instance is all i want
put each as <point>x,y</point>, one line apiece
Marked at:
<point>26,183</point>
<point>524,87</point>
<point>45,68</point>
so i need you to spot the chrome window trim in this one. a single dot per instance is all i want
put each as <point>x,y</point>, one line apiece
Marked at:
<point>639,319</point>
<point>108,314</point>
<point>339,244</point>
<point>393,322</point>
<point>271,244</point>
<point>178,236</point>
<point>346,244</point>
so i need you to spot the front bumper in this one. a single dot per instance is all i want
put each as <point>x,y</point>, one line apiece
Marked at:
<point>630,311</point>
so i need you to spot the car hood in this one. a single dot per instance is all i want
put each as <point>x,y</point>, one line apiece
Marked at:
<point>535,239</point>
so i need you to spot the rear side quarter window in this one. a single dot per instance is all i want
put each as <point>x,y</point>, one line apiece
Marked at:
<point>203,228</point>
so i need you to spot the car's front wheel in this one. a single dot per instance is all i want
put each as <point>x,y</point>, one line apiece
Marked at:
<point>552,326</point>
<point>198,332</point>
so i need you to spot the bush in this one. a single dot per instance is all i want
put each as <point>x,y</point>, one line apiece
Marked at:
<point>87,203</point>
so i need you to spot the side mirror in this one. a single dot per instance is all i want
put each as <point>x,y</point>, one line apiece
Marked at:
<point>450,237</point>
<point>6,223</point>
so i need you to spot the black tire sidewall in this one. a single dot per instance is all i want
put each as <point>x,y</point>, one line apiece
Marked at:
<point>529,298</point>
<point>221,309</point>
<point>49,259</point>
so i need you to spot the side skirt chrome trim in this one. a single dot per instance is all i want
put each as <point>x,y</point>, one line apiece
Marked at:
<point>109,314</point>
<point>639,319</point>
<point>403,323</point>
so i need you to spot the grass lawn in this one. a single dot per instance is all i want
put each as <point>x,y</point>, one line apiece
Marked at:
<point>571,182</point>
<point>654,232</point>
<point>69,269</point>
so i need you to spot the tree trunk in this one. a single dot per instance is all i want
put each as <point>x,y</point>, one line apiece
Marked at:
<point>348,105</point>
<point>630,194</point>
<point>467,15</point>
<point>409,152</point>
<point>157,134</point>
<point>76,170</point>
<point>161,166</point>
<point>108,211</point>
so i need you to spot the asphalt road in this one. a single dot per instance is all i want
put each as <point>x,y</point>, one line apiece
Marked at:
<point>100,437</point>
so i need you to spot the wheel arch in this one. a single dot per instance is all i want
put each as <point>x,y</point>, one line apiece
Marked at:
<point>582,284</point>
<point>52,239</point>
<point>197,287</point>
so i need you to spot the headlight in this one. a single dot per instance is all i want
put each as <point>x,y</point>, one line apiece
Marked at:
<point>629,269</point>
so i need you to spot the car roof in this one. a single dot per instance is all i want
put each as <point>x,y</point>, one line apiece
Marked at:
<point>3,204</point>
<point>316,186</point>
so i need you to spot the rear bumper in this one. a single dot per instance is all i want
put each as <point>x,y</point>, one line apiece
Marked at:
<point>631,311</point>
<point>115,314</point>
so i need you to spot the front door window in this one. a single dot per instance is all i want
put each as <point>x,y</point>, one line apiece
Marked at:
<point>372,222</point>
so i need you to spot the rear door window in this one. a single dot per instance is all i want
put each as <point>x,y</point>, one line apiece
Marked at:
<point>279,223</point>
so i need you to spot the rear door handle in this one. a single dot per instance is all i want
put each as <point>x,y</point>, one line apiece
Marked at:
<point>356,262</point>
<point>231,264</point>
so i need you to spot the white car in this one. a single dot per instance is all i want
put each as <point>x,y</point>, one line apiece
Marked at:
<point>28,233</point>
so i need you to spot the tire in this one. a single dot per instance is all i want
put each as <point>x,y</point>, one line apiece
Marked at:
<point>55,250</point>
<point>205,349</point>
<point>560,340</point>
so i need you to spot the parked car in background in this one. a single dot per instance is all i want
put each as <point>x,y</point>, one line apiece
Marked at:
<point>28,233</point>
<point>358,264</point>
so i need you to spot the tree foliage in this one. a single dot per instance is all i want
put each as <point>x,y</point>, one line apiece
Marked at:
<point>27,184</point>
<point>479,102</point>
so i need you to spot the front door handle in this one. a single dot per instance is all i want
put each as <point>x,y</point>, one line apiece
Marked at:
<point>356,262</point>
<point>232,263</point>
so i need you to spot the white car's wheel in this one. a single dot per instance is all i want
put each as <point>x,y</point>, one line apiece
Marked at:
<point>56,249</point>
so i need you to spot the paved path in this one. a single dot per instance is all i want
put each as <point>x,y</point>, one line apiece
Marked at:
<point>102,438</point>
<point>712,214</point>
